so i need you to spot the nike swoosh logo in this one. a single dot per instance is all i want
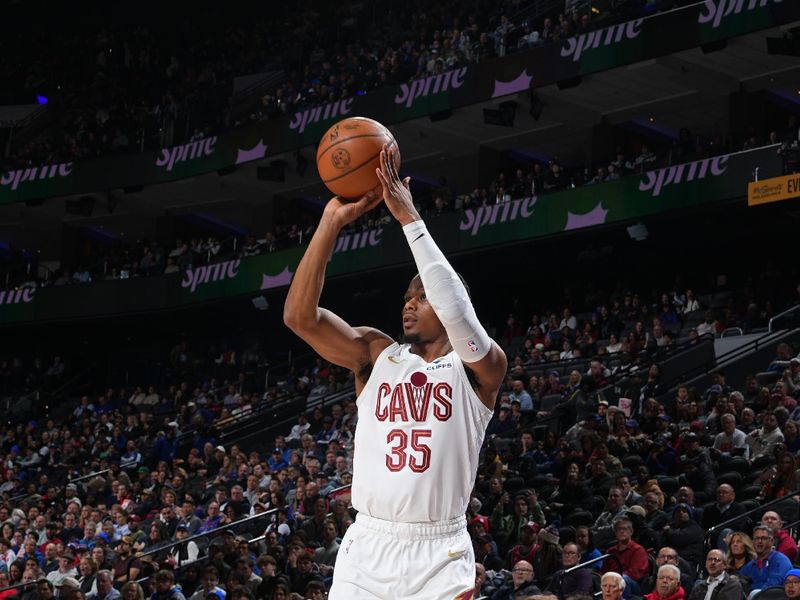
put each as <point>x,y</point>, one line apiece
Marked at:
<point>416,238</point>
<point>457,554</point>
<point>395,360</point>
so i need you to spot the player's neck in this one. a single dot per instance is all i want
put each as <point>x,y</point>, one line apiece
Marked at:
<point>430,351</point>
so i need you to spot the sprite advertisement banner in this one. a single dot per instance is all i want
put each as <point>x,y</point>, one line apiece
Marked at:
<point>613,46</point>
<point>679,186</point>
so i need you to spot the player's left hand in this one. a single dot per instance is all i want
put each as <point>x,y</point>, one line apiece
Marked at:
<point>396,193</point>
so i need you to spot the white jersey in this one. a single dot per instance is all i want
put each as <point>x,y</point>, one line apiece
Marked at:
<point>420,428</point>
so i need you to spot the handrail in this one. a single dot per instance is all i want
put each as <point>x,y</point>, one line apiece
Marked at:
<point>791,525</point>
<point>82,477</point>
<point>211,532</point>
<point>339,489</point>
<point>731,331</point>
<point>794,308</point>
<point>588,562</point>
<point>750,512</point>
<point>735,353</point>
<point>18,586</point>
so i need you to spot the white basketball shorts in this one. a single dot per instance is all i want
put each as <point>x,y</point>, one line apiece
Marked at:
<point>383,560</point>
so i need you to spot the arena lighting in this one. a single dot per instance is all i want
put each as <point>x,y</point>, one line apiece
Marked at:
<point>638,232</point>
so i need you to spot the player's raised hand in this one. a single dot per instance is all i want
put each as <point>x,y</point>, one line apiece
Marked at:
<point>343,213</point>
<point>396,193</point>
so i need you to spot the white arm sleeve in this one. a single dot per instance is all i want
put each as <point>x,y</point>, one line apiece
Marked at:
<point>447,295</point>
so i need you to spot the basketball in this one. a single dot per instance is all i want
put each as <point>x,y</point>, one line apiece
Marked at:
<point>349,153</point>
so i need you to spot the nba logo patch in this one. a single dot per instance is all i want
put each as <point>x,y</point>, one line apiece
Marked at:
<point>472,346</point>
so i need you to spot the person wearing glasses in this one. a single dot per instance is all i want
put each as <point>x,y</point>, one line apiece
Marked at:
<point>668,584</point>
<point>565,584</point>
<point>718,584</point>
<point>670,556</point>
<point>791,584</point>
<point>769,567</point>
<point>521,584</point>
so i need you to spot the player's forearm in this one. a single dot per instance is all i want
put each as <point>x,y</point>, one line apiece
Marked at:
<point>447,295</point>
<point>302,301</point>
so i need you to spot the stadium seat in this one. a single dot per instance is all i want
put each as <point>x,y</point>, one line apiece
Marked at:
<point>738,464</point>
<point>775,592</point>
<point>578,518</point>
<point>732,478</point>
<point>767,378</point>
<point>668,485</point>
<point>632,461</point>
<point>761,463</point>
<point>750,504</point>
<point>748,492</point>
<point>549,402</point>
<point>566,534</point>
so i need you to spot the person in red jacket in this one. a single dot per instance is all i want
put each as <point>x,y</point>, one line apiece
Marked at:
<point>784,543</point>
<point>628,557</point>
<point>668,584</point>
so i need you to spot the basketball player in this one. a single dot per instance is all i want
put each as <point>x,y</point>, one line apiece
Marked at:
<point>423,407</point>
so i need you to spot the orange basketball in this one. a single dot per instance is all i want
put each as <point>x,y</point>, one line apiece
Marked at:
<point>349,153</point>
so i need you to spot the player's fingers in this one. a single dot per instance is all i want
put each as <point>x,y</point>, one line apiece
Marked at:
<point>382,179</point>
<point>385,162</point>
<point>407,183</point>
<point>392,165</point>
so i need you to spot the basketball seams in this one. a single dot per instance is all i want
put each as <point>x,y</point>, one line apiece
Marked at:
<point>357,167</point>
<point>353,137</point>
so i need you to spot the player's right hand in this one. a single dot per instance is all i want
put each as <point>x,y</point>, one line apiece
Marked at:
<point>343,213</point>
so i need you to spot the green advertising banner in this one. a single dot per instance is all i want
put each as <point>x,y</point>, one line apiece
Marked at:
<point>606,48</point>
<point>675,187</point>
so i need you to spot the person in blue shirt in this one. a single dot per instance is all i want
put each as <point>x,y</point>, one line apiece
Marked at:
<point>769,567</point>
<point>277,461</point>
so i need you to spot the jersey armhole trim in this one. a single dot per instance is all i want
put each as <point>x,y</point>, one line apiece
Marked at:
<point>385,352</point>
<point>471,393</point>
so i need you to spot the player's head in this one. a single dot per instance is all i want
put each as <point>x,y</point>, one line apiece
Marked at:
<point>420,323</point>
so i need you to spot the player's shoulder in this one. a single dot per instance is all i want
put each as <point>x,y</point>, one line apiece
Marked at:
<point>377,340</point>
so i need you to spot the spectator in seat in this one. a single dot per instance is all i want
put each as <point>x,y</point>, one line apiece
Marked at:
<point>723,509</point>
<point>730,441</point>
<point>685,534</point>
<point>740,552</point>
<point>670,556</point>
<point>791,584</point>
<point>527,547</point>
<point>521,584</point>
<point>763,441</point>
<point>632,498</point>
<point>612,586</point>
<point>520,394</point>
<point>668,584</point>
<point>627,556</point>
<point>105,587</point>
<point>784,542</point>
<point>709,324</point>
<point>769,567</point>
<point>656,518</point>
<point>562,584</point>
<point>508,528</point>
<point>485,553</point>
<point>603,529</point>
<point>720,584</point>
